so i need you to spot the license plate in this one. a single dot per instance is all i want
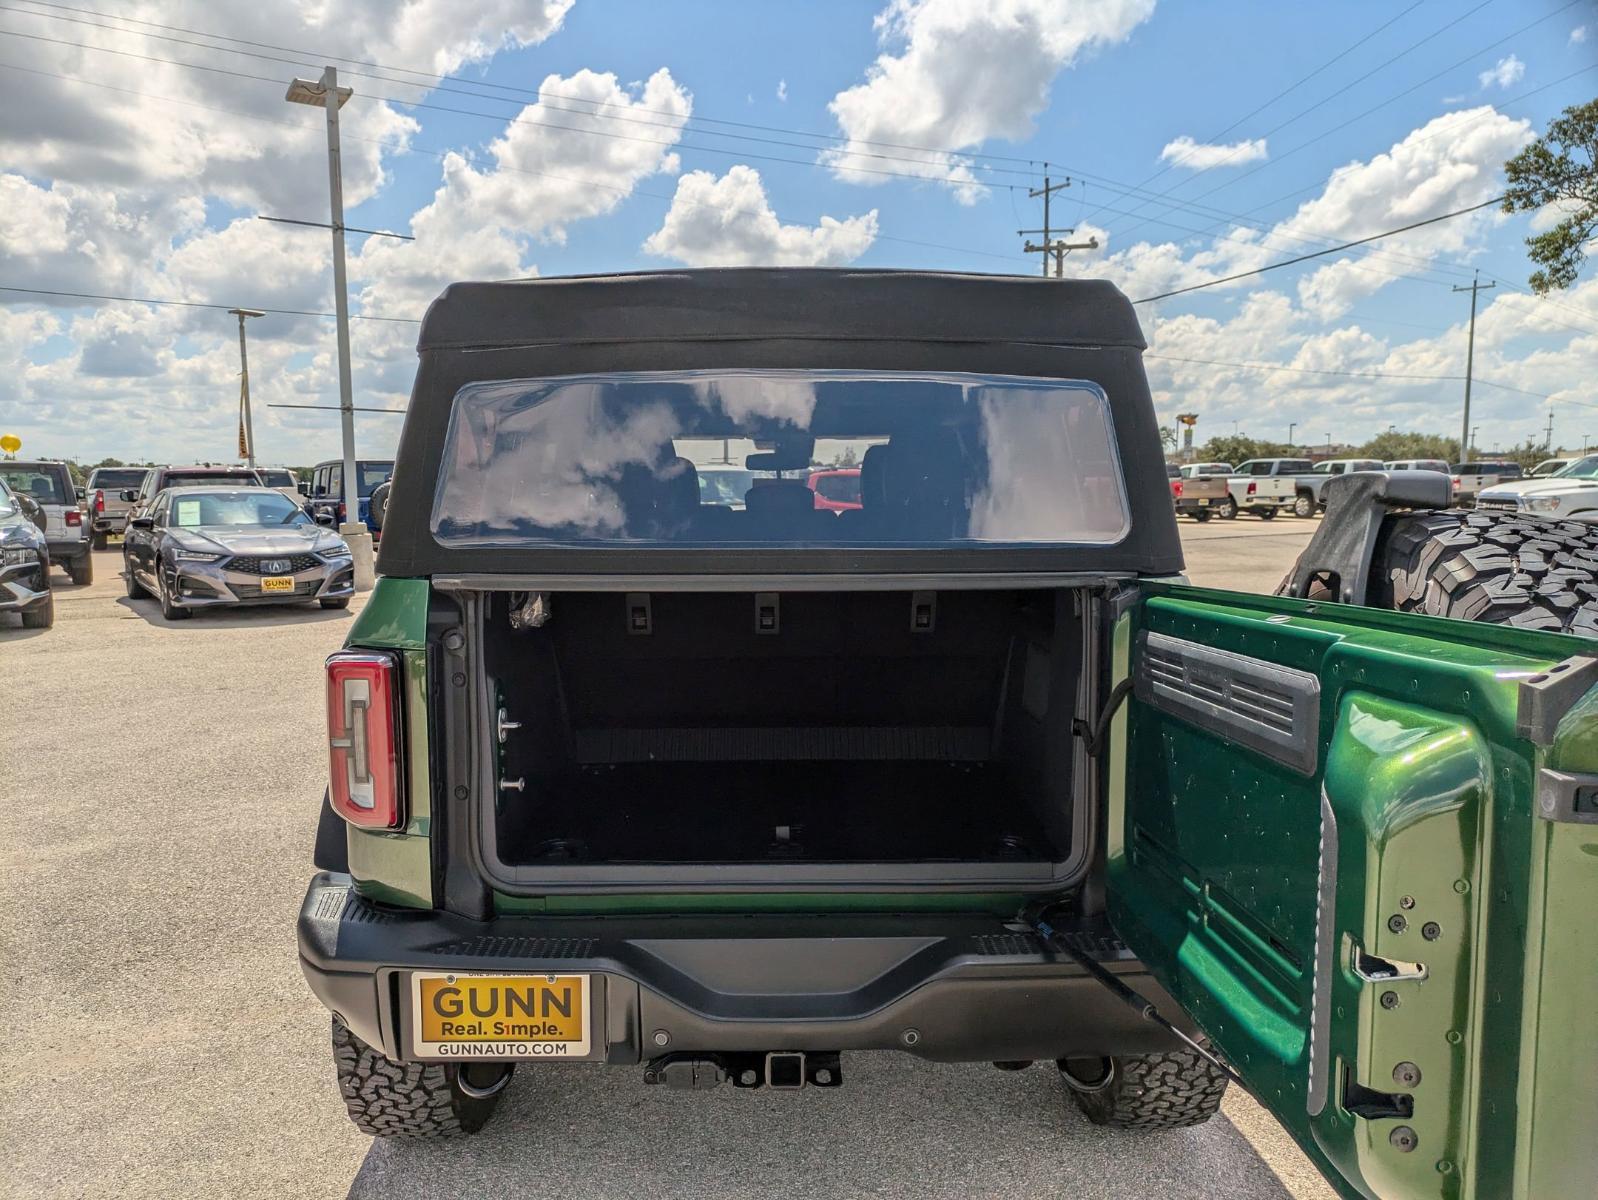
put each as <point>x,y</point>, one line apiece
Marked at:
<point>1204,503</point>
<point>459,1015</point>
<point>277,583</point>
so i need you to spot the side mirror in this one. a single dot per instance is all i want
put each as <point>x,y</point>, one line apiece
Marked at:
<point>129,494</point>
<point>141,522</point>
<point>83,493</point>
<point>325,518</point>
<point>303,487</point>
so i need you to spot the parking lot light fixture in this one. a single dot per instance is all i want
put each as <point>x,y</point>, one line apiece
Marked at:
<point>326,94</point>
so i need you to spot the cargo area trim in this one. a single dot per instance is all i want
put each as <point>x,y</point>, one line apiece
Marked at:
<point>878,581</point>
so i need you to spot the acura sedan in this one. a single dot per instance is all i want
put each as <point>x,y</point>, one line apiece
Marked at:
<point>202,547</point>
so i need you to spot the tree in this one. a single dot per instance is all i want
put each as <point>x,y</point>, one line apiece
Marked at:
<point>1234,449</point>
<point>1551,171</point>
<point>1398,445</point>
<point>1168,439</point>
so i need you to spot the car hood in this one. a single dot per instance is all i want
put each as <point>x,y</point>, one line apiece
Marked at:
<point>231,539</point>
<point>1537,487</point>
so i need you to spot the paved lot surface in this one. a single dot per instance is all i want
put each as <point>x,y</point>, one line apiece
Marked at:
<point>158,794</point>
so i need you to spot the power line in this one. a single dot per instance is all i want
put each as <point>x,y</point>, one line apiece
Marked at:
<point>1282,157</point>
<point>1288,262</point>
<point>287,312</point>
<point>1326,99</point>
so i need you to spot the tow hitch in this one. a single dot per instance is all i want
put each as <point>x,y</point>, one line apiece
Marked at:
<point>783,1070</point>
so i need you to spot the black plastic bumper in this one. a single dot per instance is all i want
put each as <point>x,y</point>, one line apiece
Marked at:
<point>954,988</point>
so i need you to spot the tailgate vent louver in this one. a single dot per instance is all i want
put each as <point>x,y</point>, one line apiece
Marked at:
<point>519,947</point>
<point>1271,709</point>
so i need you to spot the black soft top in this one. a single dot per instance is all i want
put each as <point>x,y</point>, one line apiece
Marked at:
<point>783,318</point>
<point>783,302</point>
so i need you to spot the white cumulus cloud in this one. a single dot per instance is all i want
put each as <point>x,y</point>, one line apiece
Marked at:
<point>1185,152</point>
<point>954,73</point>
<point>728,222</point>
<point>1506,72</point>
<point>1578,35</point>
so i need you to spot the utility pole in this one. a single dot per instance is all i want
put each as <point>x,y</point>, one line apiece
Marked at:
<point>1548,438</point>
<point>327,95</point>
<point>1051,246</point>
<point>1476,285</point>
<point>244,382</point>
<point>1292,425</point>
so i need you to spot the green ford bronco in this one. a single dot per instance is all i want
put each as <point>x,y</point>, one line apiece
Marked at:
<point>644,756</point>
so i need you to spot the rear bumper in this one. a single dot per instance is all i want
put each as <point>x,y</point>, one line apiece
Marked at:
<point>76,547</point>
<point>110,522</point>
<point>952,988</point>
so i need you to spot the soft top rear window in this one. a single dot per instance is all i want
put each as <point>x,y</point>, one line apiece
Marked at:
<point>695,458</point>
<point>45,483</point>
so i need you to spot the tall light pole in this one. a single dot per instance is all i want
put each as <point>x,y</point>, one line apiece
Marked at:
<point>326,94</point>
<point>244,382</point>
<point>1291,425</point>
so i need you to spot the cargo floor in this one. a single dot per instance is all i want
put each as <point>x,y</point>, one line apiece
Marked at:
<point>773,811</point>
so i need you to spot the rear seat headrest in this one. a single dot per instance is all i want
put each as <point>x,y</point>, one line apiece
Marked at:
<point>780,496</point>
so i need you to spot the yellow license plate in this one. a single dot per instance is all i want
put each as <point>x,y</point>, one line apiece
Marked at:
<point>277,583</point>
<point>459,1015</point>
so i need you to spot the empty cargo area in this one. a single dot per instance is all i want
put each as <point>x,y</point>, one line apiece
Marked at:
<point>806,727</point>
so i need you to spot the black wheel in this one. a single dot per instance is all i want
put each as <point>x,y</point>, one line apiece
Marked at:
<point>1227,509</point>
<point>135,588</point>
<point>99,539</point>
<point>42,617</point>
<point>413,1100</point>
<point>163,593</point>
<point>1201,515</point>
<point>82,569</point>
<point>335,602</point>
<point>1482,566</point>
<point>1304,505</point>
<point>1266,514</point>
<point>1145,1091</point>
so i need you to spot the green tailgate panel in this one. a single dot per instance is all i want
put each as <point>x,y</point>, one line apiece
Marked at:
<point>1342,902</point>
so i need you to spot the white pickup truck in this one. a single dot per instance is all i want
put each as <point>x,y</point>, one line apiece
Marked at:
<point>1265,486</point>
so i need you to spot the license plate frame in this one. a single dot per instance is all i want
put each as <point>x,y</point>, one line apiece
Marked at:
<point>480,1036</point>
<point>277,585</point>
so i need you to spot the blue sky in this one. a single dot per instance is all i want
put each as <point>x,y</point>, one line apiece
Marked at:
<point>1333,122</point>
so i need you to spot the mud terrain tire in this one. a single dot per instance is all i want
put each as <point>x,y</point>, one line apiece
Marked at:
<point>1484,566</point>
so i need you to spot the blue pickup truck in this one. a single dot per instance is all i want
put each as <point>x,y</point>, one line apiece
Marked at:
<point>326,492</point>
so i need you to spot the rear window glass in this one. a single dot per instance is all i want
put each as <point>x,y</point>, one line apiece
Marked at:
<point>725,457</point>
<point>276,478</point>
<point>842,486</point>
<point>117,477</point>
<point>44,484</point>
<point>177,479</point>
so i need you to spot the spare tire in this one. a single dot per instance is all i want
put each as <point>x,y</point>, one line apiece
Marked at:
<point>1484,566</point>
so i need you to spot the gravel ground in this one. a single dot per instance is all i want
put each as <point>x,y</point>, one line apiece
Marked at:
<point>158,798</point>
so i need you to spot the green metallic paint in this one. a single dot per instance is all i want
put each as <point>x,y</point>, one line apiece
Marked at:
<point>997,904</point>
<point>396,868</point>
<point>1214,857</point>
<point>394,617</point>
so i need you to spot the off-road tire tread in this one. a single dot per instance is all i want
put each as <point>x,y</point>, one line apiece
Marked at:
<point>1503,568</point>
<point>81,571</point>
<point>406,1100</point>
<point>1157,1091</point>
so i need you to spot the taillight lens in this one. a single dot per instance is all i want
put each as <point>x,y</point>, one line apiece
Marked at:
<point>1455,482</point>
<point>1253,489</point>
<point>1176,488</point>
<point>363,724</point>
<point>74,516</point>
<point>99,501</point>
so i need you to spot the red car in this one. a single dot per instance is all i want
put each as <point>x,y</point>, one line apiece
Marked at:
<point>836,490</point>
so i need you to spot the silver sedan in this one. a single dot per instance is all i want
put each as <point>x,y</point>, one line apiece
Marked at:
<point>202,547</point>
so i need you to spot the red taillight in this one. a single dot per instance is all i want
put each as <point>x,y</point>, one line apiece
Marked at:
<point>1455,482</point>
<point>74,516</point>
<point>1176,488</point>
<point>1253,489</point>
<point>99,500</point>
<point>363,739</point>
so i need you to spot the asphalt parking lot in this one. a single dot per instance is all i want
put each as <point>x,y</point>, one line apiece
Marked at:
<point>158,797</point>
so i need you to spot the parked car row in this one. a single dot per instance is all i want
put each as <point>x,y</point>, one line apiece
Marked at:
<point>192,536</point>
<point>1265,486</point>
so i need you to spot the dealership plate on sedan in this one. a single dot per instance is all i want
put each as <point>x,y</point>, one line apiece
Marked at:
<point>457,1014</point>
<point>277,583</point>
